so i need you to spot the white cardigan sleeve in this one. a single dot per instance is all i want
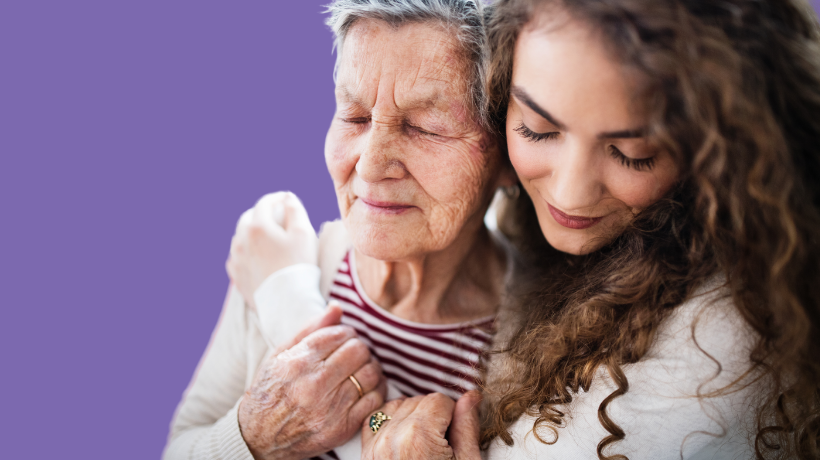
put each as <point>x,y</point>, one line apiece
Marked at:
<point>290,298</point>
<point>287,301</point>
<point>205,425</point>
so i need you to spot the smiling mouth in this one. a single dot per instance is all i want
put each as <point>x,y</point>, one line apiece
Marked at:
<point>386,207</point>
<point>573,222</point>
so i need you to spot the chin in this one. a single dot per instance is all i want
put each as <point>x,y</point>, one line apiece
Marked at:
<point>384,251</point>
<point>567,245</point>
<point>575,242</point>
<point>380,244</point>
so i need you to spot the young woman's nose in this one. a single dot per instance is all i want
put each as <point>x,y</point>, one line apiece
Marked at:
<point>380,156</point>
<point>574,183</point>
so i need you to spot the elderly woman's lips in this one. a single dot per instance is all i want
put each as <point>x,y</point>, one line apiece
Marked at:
<point>386,206</point>
<point>573,222</point>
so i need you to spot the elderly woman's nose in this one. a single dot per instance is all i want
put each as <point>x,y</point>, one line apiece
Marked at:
<point>380,157</point>
<point>574,183</point>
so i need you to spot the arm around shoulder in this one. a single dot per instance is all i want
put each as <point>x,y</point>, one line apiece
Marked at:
<point>205,425</point>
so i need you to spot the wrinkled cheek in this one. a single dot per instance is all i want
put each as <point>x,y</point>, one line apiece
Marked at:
<point>454,184</point>
<point>444,224</point>
<point>456,191</point>
<point>341,164</point>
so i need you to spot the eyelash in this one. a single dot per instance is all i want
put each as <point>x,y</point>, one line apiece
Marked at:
<point>361,121</point>
<point>423,132</point>
<point>356,121</point>
<point>532,136</point>
<point>643,164</point>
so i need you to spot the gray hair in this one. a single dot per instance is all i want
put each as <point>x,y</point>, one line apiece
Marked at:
<point>465,17</point>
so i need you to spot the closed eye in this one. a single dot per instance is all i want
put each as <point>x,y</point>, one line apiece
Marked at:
<point>356,120</point>
<point>642,164</point>
<point>532,136</point>
<point>421,131</point>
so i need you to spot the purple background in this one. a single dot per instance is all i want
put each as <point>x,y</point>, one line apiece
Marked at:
<point>131,138</point>
<point>132,135</point>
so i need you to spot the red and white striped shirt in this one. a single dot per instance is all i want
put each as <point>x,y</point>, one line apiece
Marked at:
<point>416,358</point>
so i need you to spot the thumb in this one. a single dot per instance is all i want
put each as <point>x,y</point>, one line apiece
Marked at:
<point>465,426</point>
<point>331,317</point>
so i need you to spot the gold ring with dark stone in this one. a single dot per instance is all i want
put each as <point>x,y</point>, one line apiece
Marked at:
<point>377,420</point>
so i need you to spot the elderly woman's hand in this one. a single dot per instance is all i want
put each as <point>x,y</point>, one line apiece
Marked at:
<point>274,234</point>
<point>302,402</point>
<point>418,429</point>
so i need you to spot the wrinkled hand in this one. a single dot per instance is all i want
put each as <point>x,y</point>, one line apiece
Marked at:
<point>418,429</point>
<point>274,234</point>
<point>301,403</point>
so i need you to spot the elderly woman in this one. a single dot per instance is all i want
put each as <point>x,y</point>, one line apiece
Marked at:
<point>418,275</point>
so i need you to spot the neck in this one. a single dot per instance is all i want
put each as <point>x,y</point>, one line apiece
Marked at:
<point>460,283</point>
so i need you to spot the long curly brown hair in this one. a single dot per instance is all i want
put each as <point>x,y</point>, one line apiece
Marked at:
<point>733,93</point>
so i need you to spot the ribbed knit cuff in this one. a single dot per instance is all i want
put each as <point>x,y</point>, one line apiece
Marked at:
<point>226,441</point>
<point>287,301</point>
<point>293,278</point>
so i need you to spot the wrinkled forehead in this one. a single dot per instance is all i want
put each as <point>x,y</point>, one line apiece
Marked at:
<point>420,65</point>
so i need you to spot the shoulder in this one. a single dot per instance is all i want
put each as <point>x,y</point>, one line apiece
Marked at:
<point>691,395</point>
<point>706,328</point>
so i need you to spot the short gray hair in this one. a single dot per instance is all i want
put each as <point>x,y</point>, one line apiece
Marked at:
<point>465,17</point>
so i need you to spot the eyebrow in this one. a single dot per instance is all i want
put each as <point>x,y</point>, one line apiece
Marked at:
<point>522,96</point>
<point>348,95</point>
<point>624,134</point>
<point>430,101</point>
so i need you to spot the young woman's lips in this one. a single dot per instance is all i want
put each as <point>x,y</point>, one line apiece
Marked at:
<point>573,222</point>
<point>385,207</point>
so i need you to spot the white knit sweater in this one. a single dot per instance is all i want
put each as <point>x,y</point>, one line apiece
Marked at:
<point>205,425</point>
<point>661,414</point>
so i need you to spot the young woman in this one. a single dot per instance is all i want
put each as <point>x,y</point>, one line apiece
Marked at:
<point>670,151</point>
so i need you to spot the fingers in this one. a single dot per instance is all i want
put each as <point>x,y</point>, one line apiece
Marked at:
<point>464,430</point>
<point>390,408</point>
<point>372,400</point>
<point>331,317</point>
<point>369,376</point>
<point>365,407</point>
<point>345,360</point>
<point>320,344</point>
<point>405,409</point>
<point>415,430</point>
<point>244,220</point>
<point>282,210</point>
<point>296,215</point>
<point>270,209</point>
<point>437,409</point>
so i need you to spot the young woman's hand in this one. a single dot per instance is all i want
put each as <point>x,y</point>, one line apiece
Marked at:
<point>418,429</point>
<point>274,234</point>
<point>302,402</point>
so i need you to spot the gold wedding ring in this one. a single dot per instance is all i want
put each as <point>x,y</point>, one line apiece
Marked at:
<point>358,386</point>
<point>377,420</point>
